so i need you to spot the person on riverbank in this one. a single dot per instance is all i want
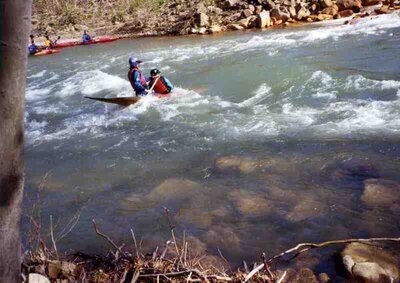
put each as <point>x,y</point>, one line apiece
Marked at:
<point>33,48</point>
<point>159,83</point>
<point>86,38</point>
<point>135,76</point>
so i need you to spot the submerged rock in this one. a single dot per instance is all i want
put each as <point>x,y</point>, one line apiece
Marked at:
<point>195,216</point>
<point>381,193</point>
<point>251,203</point>
<point>368,263</point>
<point>307,207</point>
<point>223,237</point>
<point>176,189</point>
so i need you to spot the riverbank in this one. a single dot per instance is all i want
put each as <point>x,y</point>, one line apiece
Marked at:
<point>198,17</point>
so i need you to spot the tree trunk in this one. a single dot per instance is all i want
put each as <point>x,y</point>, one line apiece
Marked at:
<point>15,18</point>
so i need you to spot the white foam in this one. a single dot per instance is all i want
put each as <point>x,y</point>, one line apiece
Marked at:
<point>262,93</point>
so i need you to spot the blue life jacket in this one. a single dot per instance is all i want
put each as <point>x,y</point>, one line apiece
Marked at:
<point>32,49</point>
<point>86,38</point>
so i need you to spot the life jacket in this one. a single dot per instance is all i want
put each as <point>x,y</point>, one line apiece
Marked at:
<point>160,86</point>
<point>32,49</point>
<point>48,43</point>
<point>142,78</point>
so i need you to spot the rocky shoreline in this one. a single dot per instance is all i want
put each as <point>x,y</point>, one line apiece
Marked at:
<point>179,17</point>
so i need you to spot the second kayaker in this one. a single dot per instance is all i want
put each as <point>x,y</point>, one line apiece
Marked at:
<point>159,83</point>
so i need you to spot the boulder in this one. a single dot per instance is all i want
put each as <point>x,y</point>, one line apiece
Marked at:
<point>202,20</point>
<point>264,19</point>
<point>247,13</point>
<point>269,4</point>
<point>215,29</point>
<point>382,10</point>
<point>366,263</point>
<point>332,10</point>
<point>280,14</point>
<point>245,23</point>
<point>345,13</point>
<point>371,2</point>
<point>215,10</point>
<point>326,3</point>
<point>235,27</point>
<point>229,4</point>
<point>37,278</point>
<point>324,17</point>
<point>354,5</point>
<point>380,193</point>
<point>292,12</point>
<point>252,8</point>
<point>258,10</point>
<point>303,14</point>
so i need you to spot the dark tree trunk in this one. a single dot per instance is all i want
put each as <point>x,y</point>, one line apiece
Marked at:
<point>15,18</point>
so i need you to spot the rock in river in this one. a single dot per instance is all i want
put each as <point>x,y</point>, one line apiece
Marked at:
<point>366,263</point>
<point>251,203</point>
<point>381,193</point>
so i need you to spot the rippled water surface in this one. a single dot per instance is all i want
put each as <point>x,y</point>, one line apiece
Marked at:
<point>267,142</point>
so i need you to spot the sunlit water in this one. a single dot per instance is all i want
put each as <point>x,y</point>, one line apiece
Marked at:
<point>266,143</point>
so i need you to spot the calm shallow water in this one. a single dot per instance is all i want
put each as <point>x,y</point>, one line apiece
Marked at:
<point>266,144</point>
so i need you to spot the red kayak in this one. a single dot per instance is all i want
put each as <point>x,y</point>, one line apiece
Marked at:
<point>100,39</point>
<point>125,101</point>
<point>46,52</point>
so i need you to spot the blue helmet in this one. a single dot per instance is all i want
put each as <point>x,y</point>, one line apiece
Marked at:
<point>134,62</point>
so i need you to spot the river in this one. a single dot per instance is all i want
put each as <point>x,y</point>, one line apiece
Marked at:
<point>267,142</point>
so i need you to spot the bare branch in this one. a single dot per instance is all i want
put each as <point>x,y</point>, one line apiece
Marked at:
<point>307,246</point>
<point>105,236</point>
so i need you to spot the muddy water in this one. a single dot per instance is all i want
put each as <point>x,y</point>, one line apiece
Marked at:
<point>267,141</point>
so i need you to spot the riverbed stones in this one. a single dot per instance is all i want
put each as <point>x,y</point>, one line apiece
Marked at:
<point>251,203</point>
<point>368,263</point>
<point>215,29</point>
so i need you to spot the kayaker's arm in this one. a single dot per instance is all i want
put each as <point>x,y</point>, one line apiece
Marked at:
<point>169,84</point>
<point>137,82</point>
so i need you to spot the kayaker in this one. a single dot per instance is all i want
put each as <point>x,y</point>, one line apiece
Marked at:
<point>161,84</point>
<point>85,37</point>
<point>136,77</point>
<point>50,44</point>
<point>33,48</point>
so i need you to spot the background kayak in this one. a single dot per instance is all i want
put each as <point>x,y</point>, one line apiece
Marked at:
<point>100,39</point>
<point>46,52</point>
